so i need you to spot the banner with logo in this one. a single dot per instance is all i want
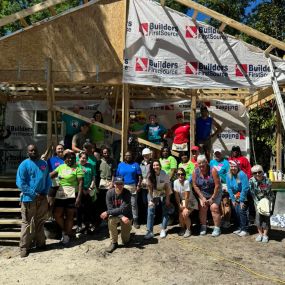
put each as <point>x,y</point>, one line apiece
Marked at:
<point>232,116</point>
<point>167,48</point>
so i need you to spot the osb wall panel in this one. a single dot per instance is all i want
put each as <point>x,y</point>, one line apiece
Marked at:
<point>80,43</point>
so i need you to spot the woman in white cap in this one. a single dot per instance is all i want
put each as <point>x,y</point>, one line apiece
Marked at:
<point>237,185</point>
<point>260,188</point>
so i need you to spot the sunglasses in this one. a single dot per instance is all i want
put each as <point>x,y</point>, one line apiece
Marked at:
<point>258,172</point>
<point>180,174</point>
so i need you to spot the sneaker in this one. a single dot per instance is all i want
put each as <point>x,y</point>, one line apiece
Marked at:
<point>111,247</point>
<point>149,235</point>
<point>181,232</point>
<point>187,233</point>
<point>216,232</point>
<point>265,239</point>
<point>24,252</point>
<point>243,234</point>
<point>237,232</point>
<point>203,230</point>
<point>163,234</point>
<point>259,238</point>
<point>65,239</point>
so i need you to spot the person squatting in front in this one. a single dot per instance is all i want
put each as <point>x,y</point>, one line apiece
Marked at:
<point>207,185</point>
<point>159,191</point>
<point>119,212</point>
<point>34,182</point>
<point>186,201</point>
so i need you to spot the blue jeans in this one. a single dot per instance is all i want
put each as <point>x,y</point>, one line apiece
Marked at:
<point>151,213</point>
<point>241,216</point>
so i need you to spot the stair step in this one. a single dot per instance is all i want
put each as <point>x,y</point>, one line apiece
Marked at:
<point>10,221</point>
<point>9,190</point>
<point>10,210</point>
<point>9,199</point>
<point>10,234</point>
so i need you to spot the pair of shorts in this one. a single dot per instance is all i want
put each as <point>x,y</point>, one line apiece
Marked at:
<point>68,203</point>
<point>217,200</point>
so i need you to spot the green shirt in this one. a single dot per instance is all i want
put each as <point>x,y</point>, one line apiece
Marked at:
<point>137,127</point>
<point>97,133</point>
<point>89,174</point>
<point>68,175</point>
<point>168,163</point>
<point>188,167</point>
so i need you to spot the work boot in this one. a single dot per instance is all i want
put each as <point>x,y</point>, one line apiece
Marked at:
<point>111,247</point>
<point>136,224</point>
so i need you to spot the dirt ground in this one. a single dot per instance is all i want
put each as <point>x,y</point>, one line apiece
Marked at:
<point>227,259</point>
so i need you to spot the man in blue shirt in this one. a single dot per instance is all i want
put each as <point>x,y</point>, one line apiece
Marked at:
<point>34,182</point>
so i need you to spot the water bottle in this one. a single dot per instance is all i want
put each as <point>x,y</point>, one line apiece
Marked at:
<point>279,175</point>
<point>271,175</point>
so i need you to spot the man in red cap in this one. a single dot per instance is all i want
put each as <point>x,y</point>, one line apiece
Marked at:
<point>180,132</point>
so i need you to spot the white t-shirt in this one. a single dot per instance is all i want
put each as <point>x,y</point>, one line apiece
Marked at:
<point>162,180</point>
<point>186,187</point>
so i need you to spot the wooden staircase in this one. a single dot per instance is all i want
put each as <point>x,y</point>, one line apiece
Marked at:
<point>10,214</point>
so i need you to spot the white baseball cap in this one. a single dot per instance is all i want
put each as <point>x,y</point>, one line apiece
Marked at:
<point>146,151</point>
<point>217,150</point>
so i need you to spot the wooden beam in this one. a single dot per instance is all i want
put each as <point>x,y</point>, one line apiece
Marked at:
<point>162,3</point>
<point>85,1</point>
<point>234,24</point>
<point>259,95</point>
<point>83,118</point>
<point>222,27</point>
<point>269,49</point>
<point>50,91</point>
<point>23,22</point>
<point>261,102</point>
<point>125,118</point>
<point>195,14</point>
<point>193,120</point>
<point>29,11</point>
<point>52,11</point>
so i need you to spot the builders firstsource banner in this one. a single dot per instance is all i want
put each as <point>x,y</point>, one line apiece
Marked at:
<point>167,48</point>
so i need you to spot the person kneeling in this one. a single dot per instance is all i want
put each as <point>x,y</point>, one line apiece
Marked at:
<point>119,211</point>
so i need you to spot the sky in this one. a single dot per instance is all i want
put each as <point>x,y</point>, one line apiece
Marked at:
<point>202,17</point>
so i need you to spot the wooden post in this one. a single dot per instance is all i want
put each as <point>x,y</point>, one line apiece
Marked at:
<point>125,118</point>
<point>50,91</point>
<point>193,119</point>
<point>278,141</point>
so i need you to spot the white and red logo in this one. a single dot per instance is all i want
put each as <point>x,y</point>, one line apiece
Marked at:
<point>144,28</point>
<point>191,32</point>
<point>241,69</point>
<point>141,64</point>
<point>191,67</point>
<point>242,134</point>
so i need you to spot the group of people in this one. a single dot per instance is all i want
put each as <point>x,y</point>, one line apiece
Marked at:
<point>94,187</point>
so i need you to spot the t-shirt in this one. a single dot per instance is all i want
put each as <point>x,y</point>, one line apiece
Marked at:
<point>97,134</point>
<point>154,132</point>
<point>181,134</point>
<point>89,173</point>
<point>107,169</point>
<point>129,171</point>
<point>54,162</point>
<point>72,124</point>
<point>168,163</point>
<point>161,181</point>
<point>136,126</point>
<point>188,167</point>
<point>68,180</point>
<point>222,168</point>
<point>185,187</point>
<point>203,129</point>
<point>79,139</point>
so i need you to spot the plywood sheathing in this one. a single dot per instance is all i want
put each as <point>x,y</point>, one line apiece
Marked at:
<point>85,46</point>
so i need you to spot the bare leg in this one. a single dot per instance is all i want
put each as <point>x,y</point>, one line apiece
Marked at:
<point>215,210</point>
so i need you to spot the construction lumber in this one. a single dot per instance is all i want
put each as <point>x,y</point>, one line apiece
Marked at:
<point>9,199</point>
<point>9,190</point>
<point>29,11</point>
<point>258,96</point>
<point>234,24</point>
<point>10,210</point>
<point>10,221</point>
<point>10,234</point>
